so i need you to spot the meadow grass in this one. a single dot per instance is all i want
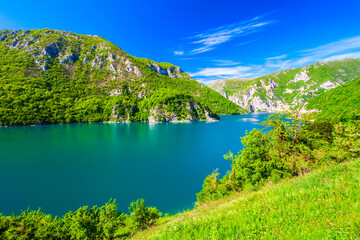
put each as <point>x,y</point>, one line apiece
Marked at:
<point>323,204</point>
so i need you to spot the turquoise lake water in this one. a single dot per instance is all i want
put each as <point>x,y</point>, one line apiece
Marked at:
<point>62,167</point>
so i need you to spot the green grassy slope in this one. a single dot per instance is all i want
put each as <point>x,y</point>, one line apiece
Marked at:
<point>321,205</point>
<point>228,86</point>
<point>337,103</point>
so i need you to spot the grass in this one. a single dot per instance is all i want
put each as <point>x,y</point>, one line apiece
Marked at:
<point>320,205</point>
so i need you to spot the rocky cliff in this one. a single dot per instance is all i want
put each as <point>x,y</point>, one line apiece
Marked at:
<point>288,89</point>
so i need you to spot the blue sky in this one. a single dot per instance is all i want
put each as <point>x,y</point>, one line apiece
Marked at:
<point>208,39</point>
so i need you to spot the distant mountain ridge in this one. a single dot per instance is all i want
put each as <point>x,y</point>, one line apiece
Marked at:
<point>51,76</point>
<point>288,89</point>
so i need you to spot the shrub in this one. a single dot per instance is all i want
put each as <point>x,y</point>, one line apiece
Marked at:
<point>141,216</point>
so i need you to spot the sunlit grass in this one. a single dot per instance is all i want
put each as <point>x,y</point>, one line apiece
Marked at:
<point>320,205</point>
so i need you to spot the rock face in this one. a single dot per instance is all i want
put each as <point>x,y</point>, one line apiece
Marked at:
<point>288,89</point>
<point>118,63</point>
<point>172,72</point>
<point>302,76</point>
<point>194,112</point>
<point>121,113</point>
<point>68,49</point>
<point>252,100</point>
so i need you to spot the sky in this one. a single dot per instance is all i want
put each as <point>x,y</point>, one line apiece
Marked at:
<point>208,39</point>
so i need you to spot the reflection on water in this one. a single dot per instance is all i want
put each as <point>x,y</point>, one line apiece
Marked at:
<point>248,120</point>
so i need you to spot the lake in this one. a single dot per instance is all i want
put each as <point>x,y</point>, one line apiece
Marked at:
<point>62,167</point>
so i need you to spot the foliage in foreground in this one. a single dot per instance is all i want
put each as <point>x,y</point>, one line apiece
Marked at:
<point>105,222</point>
<point>288,149</point>
<point>321,205</point>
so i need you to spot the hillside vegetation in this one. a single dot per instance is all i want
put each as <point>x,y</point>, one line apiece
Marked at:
<point>320,205</point>
<point>291,181</point>
<point>228,87</point>
<point>288,89</point>
<point>339,103</point>
<point>50,76</point>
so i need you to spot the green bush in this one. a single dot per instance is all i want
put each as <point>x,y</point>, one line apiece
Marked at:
<point>104,222</point>
<point>141,216</point>
<point>283,149</point>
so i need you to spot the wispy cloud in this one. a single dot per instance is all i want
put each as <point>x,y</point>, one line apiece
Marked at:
<point>333,48</point>
<point>345,48</point>
<point>201,50</point>
<point>226,63</point>
<point>210,39</point>
<point>244,43</point>
<point>342,49</point>
<point>343,56</point>
<point>277,57</point>
<point>227,72</point>
<point>187,58</point>
<point>179,53</point>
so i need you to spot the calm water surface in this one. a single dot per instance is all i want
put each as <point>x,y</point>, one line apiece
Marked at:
<point>62,167</point>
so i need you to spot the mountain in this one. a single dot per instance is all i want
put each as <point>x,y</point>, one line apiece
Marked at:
<point>50,76</point>
<point>338,103</point>
<point>288,89</point>
<point>227,87</point>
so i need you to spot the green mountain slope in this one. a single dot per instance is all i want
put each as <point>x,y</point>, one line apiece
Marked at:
<point>288,89</point>
<point>228,87</point>
<point>341,102</point>
<point>50,76</point>
<point>320,205</point>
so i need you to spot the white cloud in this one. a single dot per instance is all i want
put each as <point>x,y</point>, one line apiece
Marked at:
<point>179,53</point>
<point>187,58</point>
<point>211,38</point>
<point>226,63</point>
<point>244,43</point>
<point>215,39</point>
<point>343,56</point>
<point>277,57</point>
<point>345,48</point>
<point>201,50</point>
<point>334,47</point>
<point>232,72</point>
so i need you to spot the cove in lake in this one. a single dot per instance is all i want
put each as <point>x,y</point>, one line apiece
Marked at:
<point>62,167</point>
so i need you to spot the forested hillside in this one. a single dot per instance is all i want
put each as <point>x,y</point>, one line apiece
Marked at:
<point>50,76</point>
<point>340,103</point>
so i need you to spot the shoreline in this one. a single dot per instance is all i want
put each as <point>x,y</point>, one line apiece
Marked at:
<point>121,122</point>
<point>127,122</point>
